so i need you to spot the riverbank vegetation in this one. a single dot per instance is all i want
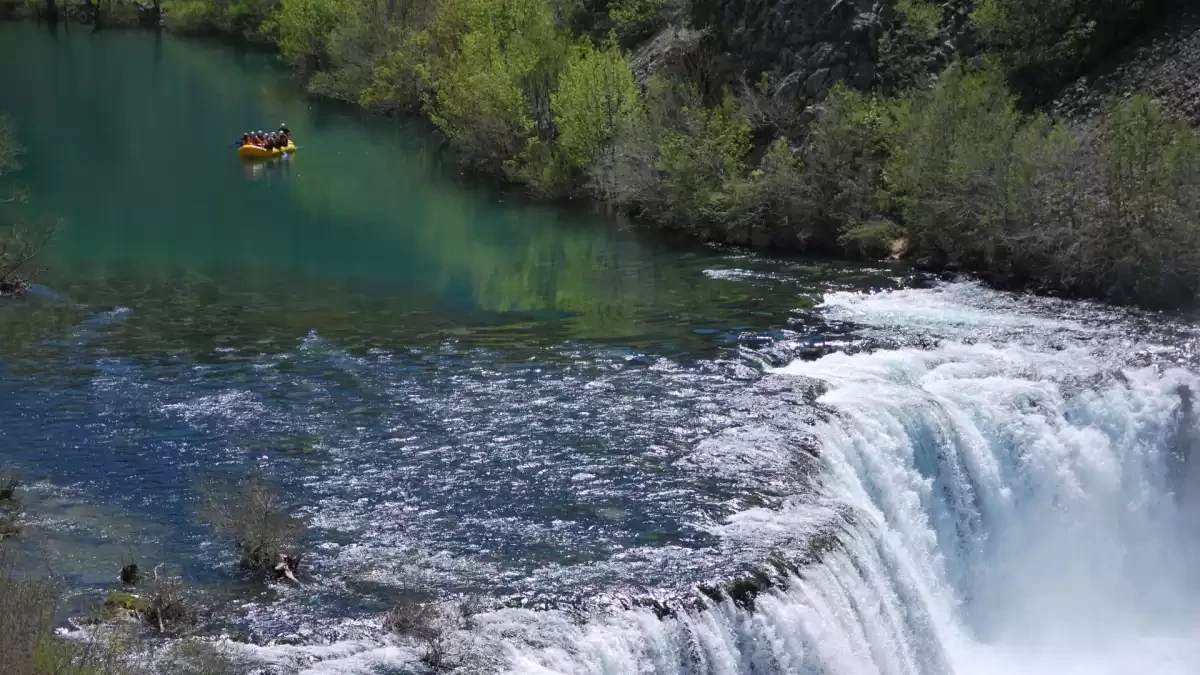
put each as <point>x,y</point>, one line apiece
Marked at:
<point>106,645</point>
<point>959,173</point>
<point>20,241</point>
<point>154,625</point>
<point>945,158</point>
<point>143,626</point>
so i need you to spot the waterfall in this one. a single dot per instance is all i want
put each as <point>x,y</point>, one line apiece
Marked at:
<point>1008,508</point>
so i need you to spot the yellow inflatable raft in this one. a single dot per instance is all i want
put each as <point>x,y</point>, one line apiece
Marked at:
<point>259,152</point>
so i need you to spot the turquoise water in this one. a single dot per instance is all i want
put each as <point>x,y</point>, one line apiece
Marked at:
<point>429,368</point>
<point>553,413</point>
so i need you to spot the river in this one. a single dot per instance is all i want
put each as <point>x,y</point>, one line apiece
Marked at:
<point>557,413</point>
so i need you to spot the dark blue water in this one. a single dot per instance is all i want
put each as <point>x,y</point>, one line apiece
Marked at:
<point>461,391</point>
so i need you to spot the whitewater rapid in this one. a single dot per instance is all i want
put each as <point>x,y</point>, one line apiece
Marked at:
<point>1004,503</point>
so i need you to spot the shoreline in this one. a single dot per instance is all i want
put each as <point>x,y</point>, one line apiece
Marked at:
<point>760,232</point>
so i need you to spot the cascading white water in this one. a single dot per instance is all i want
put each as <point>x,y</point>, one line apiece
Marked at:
<point>1005,503</point>
<point>1022,499</point>
<point>1010,512</point>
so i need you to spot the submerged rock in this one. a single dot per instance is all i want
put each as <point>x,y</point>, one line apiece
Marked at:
<point>14,287</point>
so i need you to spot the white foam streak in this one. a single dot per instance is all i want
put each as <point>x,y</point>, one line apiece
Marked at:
<point>1009,513</point>
<point>1000,509</point>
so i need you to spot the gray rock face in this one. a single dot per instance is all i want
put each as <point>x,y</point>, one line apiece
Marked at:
<point>807,46</point>
<point>666,52</point>
<point>1164,63</point>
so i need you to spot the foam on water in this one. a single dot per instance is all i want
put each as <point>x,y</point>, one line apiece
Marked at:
<point>1010,511</point>
<point>1002,499</point>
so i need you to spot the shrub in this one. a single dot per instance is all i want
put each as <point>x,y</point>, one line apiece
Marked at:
<point>701,158</point>
<point>491,76</point>
<point>949,170</point>
<point>377,54</point>
<point>1146,243</point>
<point>807,196</point>
<point>304,27</point>
<point>192,16</point>
<point>634,21</point>
<point>1043,43</point>
<point>253,515</point>
<point>245,18</point>
<point>397,79</point>
<point>28,643</point>
<point>596,99</point>
<point>904,48</point>
<point>769,198</point>
<point>920,17</point>
<point>166,609</point>
<point>977,184</point>
<point>844,155</point>
<point>26,616</point>
<point>430,624</point>
<point>1033,31</point>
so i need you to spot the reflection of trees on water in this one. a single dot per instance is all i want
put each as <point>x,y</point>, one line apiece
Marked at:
<point>370,240</point>
<point>538,297</point>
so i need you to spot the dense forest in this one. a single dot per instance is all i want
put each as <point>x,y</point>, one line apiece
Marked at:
<point>879,127</point>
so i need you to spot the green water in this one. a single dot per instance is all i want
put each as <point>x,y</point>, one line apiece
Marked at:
<point>428,368</point>
<point>128,138</point>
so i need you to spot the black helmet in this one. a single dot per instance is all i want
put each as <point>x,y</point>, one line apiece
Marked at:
<point>283,128</point>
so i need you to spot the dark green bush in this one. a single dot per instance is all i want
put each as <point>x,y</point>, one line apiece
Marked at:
<point>1144,245</point>
<point>1113,213</point>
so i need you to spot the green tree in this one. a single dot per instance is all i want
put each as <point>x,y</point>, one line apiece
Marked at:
<point>378,54</point>
<point>702,159</point>
<point>491,75</point>
<point>1043,43</point>
<point>596,97</point>
<point>1149,222</point>
<point>304,28</point>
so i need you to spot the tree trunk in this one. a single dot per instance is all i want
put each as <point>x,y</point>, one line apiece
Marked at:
<point>51,11</point>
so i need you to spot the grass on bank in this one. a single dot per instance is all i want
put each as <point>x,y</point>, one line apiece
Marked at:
<point>31,645</point>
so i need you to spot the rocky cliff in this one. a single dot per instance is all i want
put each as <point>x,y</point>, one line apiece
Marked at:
<point>806,46</point>
<point>1163,62</point>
